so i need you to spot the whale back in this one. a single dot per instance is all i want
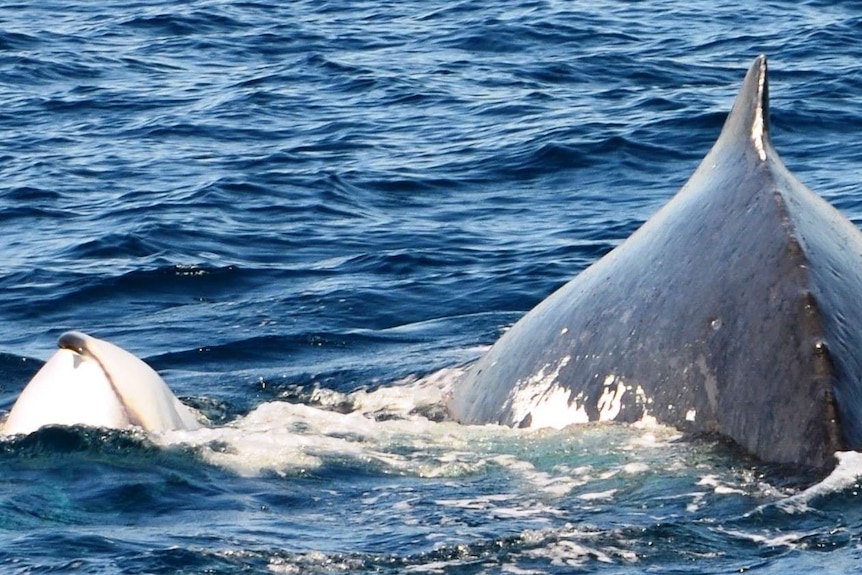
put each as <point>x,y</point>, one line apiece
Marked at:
<point>728,312</point>
<point>84,397</point>
<point>92,382</point>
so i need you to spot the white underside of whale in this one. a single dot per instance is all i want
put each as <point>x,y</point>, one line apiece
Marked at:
<point>100,385</point>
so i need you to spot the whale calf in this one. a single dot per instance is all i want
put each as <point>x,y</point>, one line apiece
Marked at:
<point>92,382</point>
<point>734,311</point>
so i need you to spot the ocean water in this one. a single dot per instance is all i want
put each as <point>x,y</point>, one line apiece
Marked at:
<point>309,216</point>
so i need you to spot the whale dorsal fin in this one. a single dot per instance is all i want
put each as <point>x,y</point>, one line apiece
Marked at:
<point>749,117</point>
<point>729,311</point>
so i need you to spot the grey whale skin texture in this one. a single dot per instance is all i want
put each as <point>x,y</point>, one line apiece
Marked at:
<point>735,303</point>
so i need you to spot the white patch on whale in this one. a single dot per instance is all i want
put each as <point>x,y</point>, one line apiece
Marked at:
<point>611,401</point>
<point>544,401</point>
<point>92,382</point>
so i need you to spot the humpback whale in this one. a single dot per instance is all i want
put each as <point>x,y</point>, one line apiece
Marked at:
<point>92,382</point>
<point>733,311</point>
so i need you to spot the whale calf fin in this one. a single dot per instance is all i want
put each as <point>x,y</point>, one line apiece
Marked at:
<point>89,381</point>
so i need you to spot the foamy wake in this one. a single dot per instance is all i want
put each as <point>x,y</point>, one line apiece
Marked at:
<point>386,431</point>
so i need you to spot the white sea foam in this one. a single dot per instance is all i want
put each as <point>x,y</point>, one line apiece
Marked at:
<point>386,431</point>
<point>542,471</point>
<point>538,475</point>
<point>290,438</point>
<point>846,474</point>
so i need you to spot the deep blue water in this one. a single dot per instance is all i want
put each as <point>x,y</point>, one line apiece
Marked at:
<point>284,207</point>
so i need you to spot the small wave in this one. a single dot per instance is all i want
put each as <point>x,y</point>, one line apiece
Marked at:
<point>63,440</point>
<point>193,23</point>
<point>847,476</point>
